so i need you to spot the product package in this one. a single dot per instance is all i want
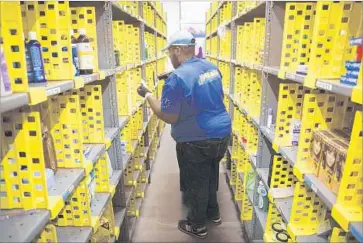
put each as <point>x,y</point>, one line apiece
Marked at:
<point>352,66</point>
<point>328,161</point>
<point>315,151</point>
<point>339,166</point>
<point>50,157</point>
<point>332,147</point>
<point>295,132</point>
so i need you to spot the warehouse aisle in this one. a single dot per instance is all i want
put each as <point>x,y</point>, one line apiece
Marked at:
<point>162,207</point>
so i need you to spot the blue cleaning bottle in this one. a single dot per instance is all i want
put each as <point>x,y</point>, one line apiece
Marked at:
<point>34,50</point>
<point>29,67</point>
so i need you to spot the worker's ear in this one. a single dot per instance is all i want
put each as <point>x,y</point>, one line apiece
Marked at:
<point>177,50</point>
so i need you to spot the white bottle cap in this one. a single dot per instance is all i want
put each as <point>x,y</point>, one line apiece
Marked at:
<point>82,31</point>
<point>32,35</point>
<point>72,32</point>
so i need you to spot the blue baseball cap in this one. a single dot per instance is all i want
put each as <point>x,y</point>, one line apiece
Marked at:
<point>180,38</point>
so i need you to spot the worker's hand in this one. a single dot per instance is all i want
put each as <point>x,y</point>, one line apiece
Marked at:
<point>142,90</point>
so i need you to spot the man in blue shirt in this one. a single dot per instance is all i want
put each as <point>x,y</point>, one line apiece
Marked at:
<point>192,102</point>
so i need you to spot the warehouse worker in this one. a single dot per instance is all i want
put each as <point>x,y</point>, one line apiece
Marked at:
<point>192,102</point>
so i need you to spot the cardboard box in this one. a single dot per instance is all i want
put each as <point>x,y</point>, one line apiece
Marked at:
<point>334,147</point>
<point>315,151</point>
<point>328,161</point>
<point>342,135</point>
<point>339,166</point>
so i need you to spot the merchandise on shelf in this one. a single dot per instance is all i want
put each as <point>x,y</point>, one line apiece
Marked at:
<point>296,45</point>
<point>148,14</point>
<point>48,161</point>
<point>90,98</point>
<point>330,112</point>
<point>84,19</point>
<point>150,48</point>
<point>62,114</point>
<point>131,7</point>
<point>34,50</point>
<point>353,66</point>
<point>40,17</point>
<point>127,42</point>
<point>74,55</point>
<point>330,49</point>
<point>85,53</point>
<point>322,41</point>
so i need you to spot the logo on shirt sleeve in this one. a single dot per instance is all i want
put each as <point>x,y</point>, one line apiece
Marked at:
<point>166,103</point>
<point>208,77</point>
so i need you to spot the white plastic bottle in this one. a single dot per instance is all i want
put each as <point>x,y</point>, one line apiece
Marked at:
<point>85,54</point>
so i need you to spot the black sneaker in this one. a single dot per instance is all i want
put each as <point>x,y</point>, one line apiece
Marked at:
<point>185,227</point>
<point>216,221</point>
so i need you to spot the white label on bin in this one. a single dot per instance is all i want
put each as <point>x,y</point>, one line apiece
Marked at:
<point>325,86</point>
<point>53,91</point>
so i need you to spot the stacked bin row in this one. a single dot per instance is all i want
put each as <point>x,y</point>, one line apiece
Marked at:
<point>126,43</point>
<point>126,85</point>
<point>247,50</point>
<point>150,46</point>
<point>48,158</point>
<point>290,186</point>
<point>131,7</point>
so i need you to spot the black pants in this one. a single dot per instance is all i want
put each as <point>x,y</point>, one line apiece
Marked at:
<point>199,176</point>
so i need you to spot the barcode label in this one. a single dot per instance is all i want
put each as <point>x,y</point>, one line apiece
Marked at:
<point>53,91</point>
<point>325,86</point>
<point>87,78</point>
<point>290,76</point>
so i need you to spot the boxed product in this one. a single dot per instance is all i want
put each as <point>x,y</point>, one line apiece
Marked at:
<point>349,80</point>
<point>339,166</point>
<point>343,135</point>
<point>333,147</point>
<point>328,160</point>
<point>315,151</point>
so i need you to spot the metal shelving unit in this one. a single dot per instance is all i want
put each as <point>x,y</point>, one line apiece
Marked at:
<point>271,147</point>
<point>18,225</point>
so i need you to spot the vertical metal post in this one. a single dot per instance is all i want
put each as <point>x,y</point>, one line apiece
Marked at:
<point>180,17</point>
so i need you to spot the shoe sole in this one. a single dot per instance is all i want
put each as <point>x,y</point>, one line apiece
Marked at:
<point>216,224</point>
<point>189,233</point>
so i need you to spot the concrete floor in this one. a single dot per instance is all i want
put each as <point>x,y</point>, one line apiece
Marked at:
<point>162,208</point>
